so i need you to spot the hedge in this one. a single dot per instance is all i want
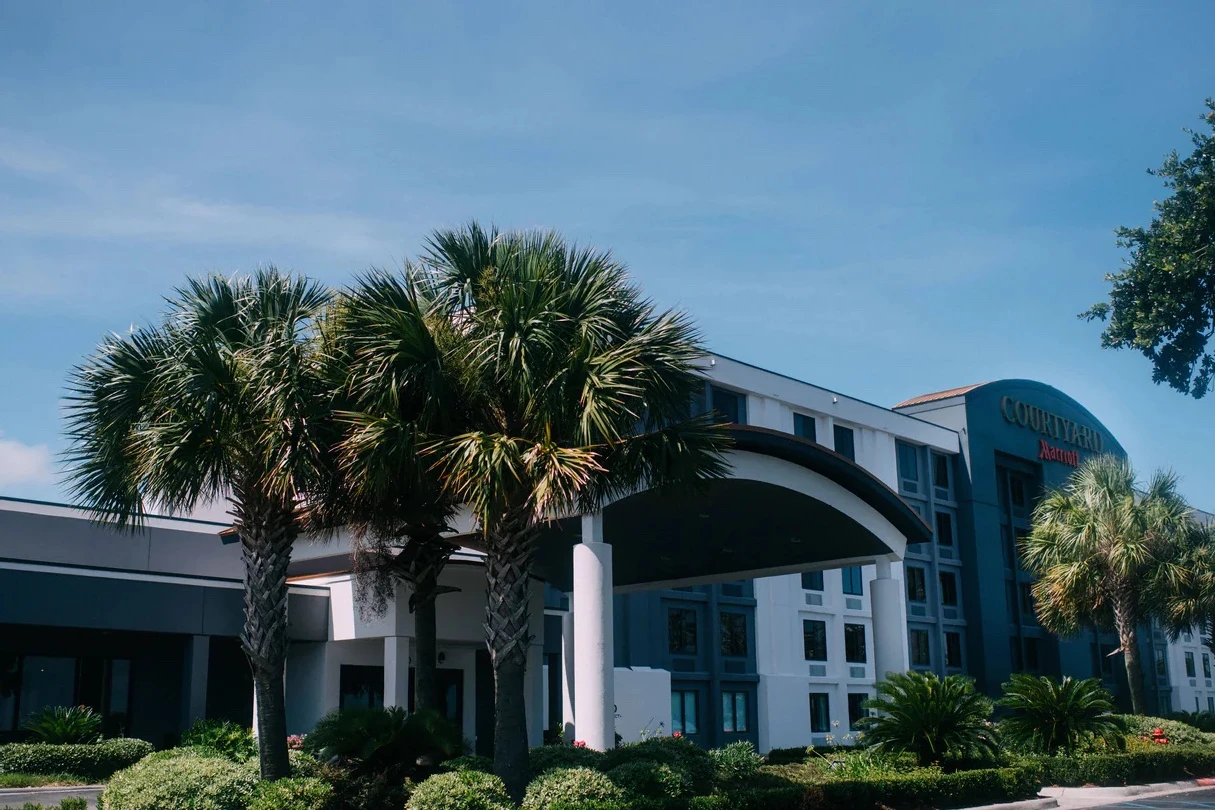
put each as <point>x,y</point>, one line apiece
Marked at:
<point>181,778</point>
<point>96,761</point>
<point>1169,763</point>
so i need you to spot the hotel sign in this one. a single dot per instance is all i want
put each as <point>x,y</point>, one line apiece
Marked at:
<point>1055,427</point>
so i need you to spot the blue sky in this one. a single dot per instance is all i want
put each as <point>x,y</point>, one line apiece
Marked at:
<point>882,198</point>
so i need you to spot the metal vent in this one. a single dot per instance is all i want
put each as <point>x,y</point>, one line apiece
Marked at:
<point>735,667</point>
<point>852,604</point>
<point>683,665</point>
<point>814,599</point>
<point>856,672</point>
<point>1193,682</point>
<point>949,613</point>
<point>818,670</point>
<point>917,610</point>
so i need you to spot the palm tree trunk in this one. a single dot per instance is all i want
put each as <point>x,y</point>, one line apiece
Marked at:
<point>266,536</point>
<point>508,564</point>
<point>1128,635</point>
<point>426,692</point>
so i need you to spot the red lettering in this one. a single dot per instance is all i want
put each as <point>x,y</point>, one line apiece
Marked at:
<point>1048,453</point>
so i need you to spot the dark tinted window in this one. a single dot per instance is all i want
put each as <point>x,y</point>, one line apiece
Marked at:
<point>820,713</point>
<point>803,426</point>
<point>945,528</point>
<point>734,635</point>
<point>949,589</point>
<point>854,643</point>
<point>853,584</point>
<point>844,444</point>
<point>919,652</point>
<point>681,631</point>
<point>916,590</point>
<point>856,710</point>
<point>953,649</point>
<point>729,406</point>
<point>814,637</point>
<point>909,468</point>
<point>812,581</point>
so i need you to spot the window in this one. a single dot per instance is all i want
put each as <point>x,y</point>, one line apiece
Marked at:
<point>1187,637</point>
<point>1211,704</point>
<point>1189,666</point>
<point>803,426</point>
<point>1206,665</point>
<point>1031,654</point>
<point>812,581</point>
<point>10,670</point>
<point>1107,661</point>
<point>945,528</point>
<point>853,584</point>
<point>949,589</point>
<point>814,636</point>
<point>920,655</point>
<point>1162,666</point>
<point>909,467</point>
<point>953,649</point>
<point>1027,598</point>
<point>940,476</point>
<point>681,631</point>
<point>854,643</point>
<point>684,714</point>
<point>845,444</point>
<point>734,635</point>
<point>1010,599</point>
<point>1014,652</point>
<point>856,708</point>
<point>916,589</point>
<point>734,712</point>
<point>729,406</point>
<point>46,681</point>
<point>820,713</point>
<point>361,687</point>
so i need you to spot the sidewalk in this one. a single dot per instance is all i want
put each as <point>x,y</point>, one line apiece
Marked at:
<point>1072,798</point>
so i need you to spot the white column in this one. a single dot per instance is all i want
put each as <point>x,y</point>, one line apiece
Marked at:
<point>396,671</point>
<point>567,673</point>
<point>889,631</point>
<point>198,655</point>
<point>594,701</point>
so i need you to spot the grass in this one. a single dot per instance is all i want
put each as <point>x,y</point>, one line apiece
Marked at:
<point>30,780</point>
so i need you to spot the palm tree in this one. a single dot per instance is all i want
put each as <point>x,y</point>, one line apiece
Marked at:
<point>1106,552</point>
<point>539,383</point>
<point>1050,717</point>
<point>1192,605</point>
<point>222,400</point>
<point>930,717</point>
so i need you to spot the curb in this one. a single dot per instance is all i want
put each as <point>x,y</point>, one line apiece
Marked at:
<point>1124,791</point>
<point>51,789</point>
<point>1027,804</point>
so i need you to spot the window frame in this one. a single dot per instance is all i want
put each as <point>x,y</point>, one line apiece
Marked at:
<point>951,648</point>
<point>807,624</point>
<point>906,483</point>
<point>948,515</point>
<point>1191,668</point>
<point>951,590</point>
<point>837,431</point>
<point>728,635</point>
<point>848,580</point>
<point>695,634</point>
<point>740,399</point>
<point>917,583</point>
<point>734,696</point>
<point>824,699</point>
<point>814,576</point>
<point>913,634</point>
<point>856,705</point>
<point>850,643</point>
<point>802,419</point>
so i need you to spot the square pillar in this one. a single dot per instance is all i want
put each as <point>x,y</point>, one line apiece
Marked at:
<point>194,693</point>
<point>396,671</point>
<point>594,670</point>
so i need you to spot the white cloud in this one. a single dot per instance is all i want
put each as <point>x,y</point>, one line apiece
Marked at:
<point>24,463</point>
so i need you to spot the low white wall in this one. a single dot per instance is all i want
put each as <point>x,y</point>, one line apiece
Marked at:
<point>784,712</point>
<point>643,702</point>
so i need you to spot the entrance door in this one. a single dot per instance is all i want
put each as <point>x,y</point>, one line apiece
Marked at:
<point>451,693</point>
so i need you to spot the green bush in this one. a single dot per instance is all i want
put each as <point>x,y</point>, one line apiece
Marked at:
<point>231,740</point>
<point>389,741</point>
<point>470,762</point>
<point>931,717</point>
<point>72,725</point>
<point>686,758</point>
<point>570,787</point>
<point>1050,717</point>
<point>366,791</point>
<point>650,780</point>
<point>180,779</point>
<point>548,757</point>
<point>1177,733</point>
<point>91,762</point>
<point>308,793</point>
<point>737,762</point>
<point>1203,721</point>
<point>1166,763</point>
<point>460,790</point>
<point>70,803</point>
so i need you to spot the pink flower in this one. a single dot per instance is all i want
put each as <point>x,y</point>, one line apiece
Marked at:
<point>677,735</point>
<point>295,742</point>
<point>580,743</point>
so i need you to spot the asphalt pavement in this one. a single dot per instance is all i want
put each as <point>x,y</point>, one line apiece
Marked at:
<point>1190,800</point>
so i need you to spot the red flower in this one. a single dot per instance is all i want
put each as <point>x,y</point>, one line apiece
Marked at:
<point>677,734</point>
<point>580,743</point>
<point>1158,732</point>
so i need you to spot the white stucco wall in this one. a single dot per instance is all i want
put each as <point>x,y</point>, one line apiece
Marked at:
<point>643,702</point>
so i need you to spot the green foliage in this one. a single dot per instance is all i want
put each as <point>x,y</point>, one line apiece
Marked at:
<point>1160,304</point>
<point>932,788</point>
<point>548,757</point>
<point>737,762</point>
<point>650,780</point>
<point>570,787</point>
<point>460,790</point>
<point>307,793</point>
<point>686,758</point>
<point>1176,732</point>
<point>183,779</point>
<point>68,803</point>
<point>366,791</point>
<point>390,741</point>
<point>1203,721</point>
<point>22,780</point>
<point>231,740</point>
<point>787,756</point>
<point>74,725</point>
<point>1162,764</point>
<point>89,762</point>
<point>1108,551</point>
<point>1049,717</point>
<point>930,717</point>
<point>472,762</point>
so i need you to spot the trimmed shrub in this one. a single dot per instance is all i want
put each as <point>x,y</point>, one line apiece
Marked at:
<point>689,760</point>
<point>231,740</point>
<point>570,788</point>
<point>1164,764</point>
<point>184,779</point>
<point>74,803</point>
<point>1203,721</point>
<point>90,762</point>
<point>386,741</point>
<point>460,790</point>
<point>790,756</point>
<point>292,794</point>
<point>366,791</point>
<point>737,762</point>
<point>650,780</point>
<point>1052,717</point>
<point>469,763</point>
<point>59,725</point>
<point>549,757</point>
<point>1176,732</point>
<point>931,717</point>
